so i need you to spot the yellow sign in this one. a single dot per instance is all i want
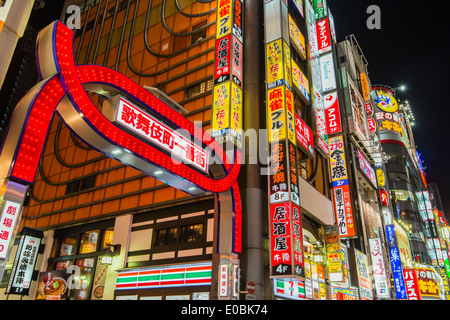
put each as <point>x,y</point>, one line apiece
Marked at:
<point>275,65</point>
<point>297,38</point>
<point>386,102</point>
<point>276,122</point>
<point>236,113</point>
<point>365,86</point>
<point>380,178</point>
<point>221,109</point>
<point>224,18</point>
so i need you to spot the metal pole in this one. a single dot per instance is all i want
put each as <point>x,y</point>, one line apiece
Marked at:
<point>252,262</point>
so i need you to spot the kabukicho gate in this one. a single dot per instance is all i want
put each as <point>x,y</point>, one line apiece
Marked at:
<point>134,126</point>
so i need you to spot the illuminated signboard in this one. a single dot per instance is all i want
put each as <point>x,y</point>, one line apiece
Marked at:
<point>412,284</point>
<point>320,9</point>
<point>297,38</point>
<point>379,269</point>
<point>396,263</point>
<point>365,283</point>
<point>341,190</point>
<point>366,168</point>
<point>9,217</point>
<point>428,285</point>
<point>226,117</point>
<point>289,288</point>
<point>323,35</point>
<point>327,72</point>
<point>304,135</point>
<point>24,263</point>
<point>182,275</point>
<point>358,112</point>
<point>332,113</point>
<point>386,101</point>
<point>365,86</point>
<point>145,125</point>
<point>300,82</point>
<point>62,89</point>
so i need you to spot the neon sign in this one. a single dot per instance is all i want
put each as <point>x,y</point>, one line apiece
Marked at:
<point>63,90</point>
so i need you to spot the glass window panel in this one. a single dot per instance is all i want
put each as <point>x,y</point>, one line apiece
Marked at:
<point>107,238</point>
<point>88,241</point>
<point>68,246</point>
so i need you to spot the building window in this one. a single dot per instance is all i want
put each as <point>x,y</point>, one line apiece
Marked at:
<point>198,89</point>
<point>80,185</point>
<point>179,234</point>
<point>88,241</point>
<point>191,233</point>
<point>200,34</point>
<point>179,42</point>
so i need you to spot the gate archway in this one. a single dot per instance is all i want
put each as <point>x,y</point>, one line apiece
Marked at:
<point>63,89</point>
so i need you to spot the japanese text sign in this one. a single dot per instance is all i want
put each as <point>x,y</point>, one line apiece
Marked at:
<point>160,134</point>
<point>396,263</point>
<point>332,113</point>
<point>10,214</point>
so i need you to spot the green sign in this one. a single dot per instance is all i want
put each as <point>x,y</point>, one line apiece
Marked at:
<point>320,9</point>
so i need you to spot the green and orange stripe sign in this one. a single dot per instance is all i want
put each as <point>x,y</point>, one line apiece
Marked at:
<point>198,274</point>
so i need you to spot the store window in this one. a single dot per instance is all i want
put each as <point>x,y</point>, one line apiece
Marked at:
<point>80,248</point>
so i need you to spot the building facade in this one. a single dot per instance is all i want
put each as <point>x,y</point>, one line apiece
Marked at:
<point>330,187</point>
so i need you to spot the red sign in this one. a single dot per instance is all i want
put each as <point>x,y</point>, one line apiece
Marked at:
<point>251,287</point>
<point>372,124</point>
<point>384,197</point>
<point>280,235</point>
<point>223,59</point>
<point>412,284</point>
<point>369,108</point>
<point>323,35</point>
<point>304,134</point>
<point>332,114</point>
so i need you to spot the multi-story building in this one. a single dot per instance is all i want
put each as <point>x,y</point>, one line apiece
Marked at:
<point>307,214</point>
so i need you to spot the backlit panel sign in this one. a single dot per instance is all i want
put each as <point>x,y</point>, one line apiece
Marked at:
<point>332,113</point>
<point>365,283</point>
<point>327,72</point>
<point>9,217</point>
<point>396,264</point>
<point>323,36</point>
<point>379,269</point>
<point>304,135</point>
<point>23,267</point>
<point>300,82</point>
<point>366,168</point>
<point>152,129</point>
<point>298,40</point>
<point>412,284</point>
<point>341,190</point>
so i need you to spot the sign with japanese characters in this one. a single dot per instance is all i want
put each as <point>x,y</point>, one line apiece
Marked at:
<point>10,214</point>
<point>321,125</point>
<point>332,113</point>
<point>396,264</point>
<point>301,83</point>
<point>23,267</point>
<point>281,239</point>
<point>320,9</point>
<point>152,129</point>
<point>366,168</point>
<point>224,18</point>
<point>358,108</point>
<point>297,38</point>
<point>323,35</point>
<point>341,190</point>
<point>274,64</point>
<point>365,283</point>
<point>333,247</point>
<point>342,293</point>
<point>226,122</point>
<point>304,134</point>
<point>412,284</point>
<point>379,270</point>
<point>223,281</point>
<point>428,285</point>
<point>327,72</point>
<point>276,122</point>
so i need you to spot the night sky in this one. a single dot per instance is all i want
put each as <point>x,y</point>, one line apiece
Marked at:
<point>411,48</point>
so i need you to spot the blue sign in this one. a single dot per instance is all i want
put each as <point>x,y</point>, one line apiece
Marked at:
<point>396,263</point>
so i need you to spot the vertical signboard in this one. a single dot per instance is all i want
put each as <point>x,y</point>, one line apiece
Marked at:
<point>334,261</point>
<point>332,113</point>
<point>379,270</point>
<point>226,119</point>
<point>396,264</point>
<point>8,220</point>
<point>365,283</point>
<point>341,190</point>
<point>412,284</point>
<point>286,244</point>
<point>323,36</point>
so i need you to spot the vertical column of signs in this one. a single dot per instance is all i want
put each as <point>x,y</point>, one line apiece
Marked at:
<point>226,119</point>
<point>284,202</point>
<point>322,23</point>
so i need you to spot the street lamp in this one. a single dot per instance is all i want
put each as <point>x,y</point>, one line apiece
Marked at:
<point>110,254</point>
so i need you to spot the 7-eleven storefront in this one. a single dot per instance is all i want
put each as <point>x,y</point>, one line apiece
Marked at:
<point>175,282</point>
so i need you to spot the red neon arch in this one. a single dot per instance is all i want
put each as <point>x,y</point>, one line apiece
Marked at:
<point>69,80</point>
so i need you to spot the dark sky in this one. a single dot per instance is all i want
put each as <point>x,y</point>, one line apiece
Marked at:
<point>412,48</point>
